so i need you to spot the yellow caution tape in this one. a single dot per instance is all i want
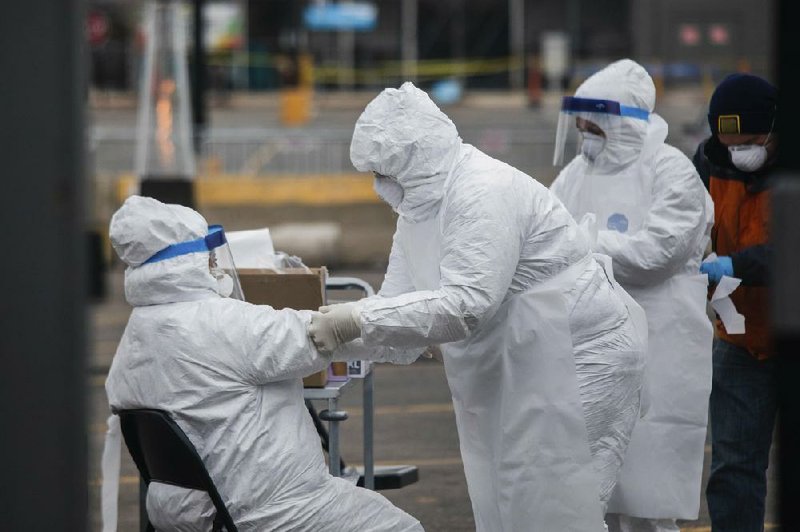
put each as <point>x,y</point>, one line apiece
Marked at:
<point>423,69</point>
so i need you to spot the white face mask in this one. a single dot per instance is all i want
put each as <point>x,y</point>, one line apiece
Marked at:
<point>389,189</point>
<point>748,157</point>
<point>592,145</point>
<point>224,284</point>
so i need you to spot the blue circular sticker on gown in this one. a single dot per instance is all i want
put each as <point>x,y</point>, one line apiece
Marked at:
<point>618,222</point>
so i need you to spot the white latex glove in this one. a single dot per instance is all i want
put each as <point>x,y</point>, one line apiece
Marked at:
<point>433,351</point>
<point>334,326</point>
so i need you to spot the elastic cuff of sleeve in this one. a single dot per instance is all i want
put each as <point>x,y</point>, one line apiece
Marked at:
<point>735,264</point>
<point>356,314</point>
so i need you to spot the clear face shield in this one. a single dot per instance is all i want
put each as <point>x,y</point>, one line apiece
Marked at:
<point>220,259</point>
<point>220,262</point>
<point>586,124</point>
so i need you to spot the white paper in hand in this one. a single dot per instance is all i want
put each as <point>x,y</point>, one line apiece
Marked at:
<point>252,249</point>
<point>711,257</point>
<point>722,304</point>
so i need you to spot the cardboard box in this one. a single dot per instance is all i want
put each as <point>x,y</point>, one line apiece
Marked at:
<point>316,380</point>
<point>338,372</point>
<point>292,288</point>
<point>296,288</point>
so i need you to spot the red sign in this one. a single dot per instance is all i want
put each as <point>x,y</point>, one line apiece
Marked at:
<point>98,28</point>
<point>719,35</point>
<point>689,34</point>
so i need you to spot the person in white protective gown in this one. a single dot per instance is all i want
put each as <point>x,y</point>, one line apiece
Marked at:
<point>229,373</point>
<point>653,219</point>
<point>488,263</point>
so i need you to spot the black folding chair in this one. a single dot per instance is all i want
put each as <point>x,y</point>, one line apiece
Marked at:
<point>163,453</point>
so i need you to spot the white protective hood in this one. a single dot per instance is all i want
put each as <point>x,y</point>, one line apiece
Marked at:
<point>144,226</point>
<point>667,212</point>
<point>404,136</point>
<point>628,83</point>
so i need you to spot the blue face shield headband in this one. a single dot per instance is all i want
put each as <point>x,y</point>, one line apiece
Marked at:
<point>221,268</point>
<point>214,239</point>
<point>574,105</point>
<point>608,115</point>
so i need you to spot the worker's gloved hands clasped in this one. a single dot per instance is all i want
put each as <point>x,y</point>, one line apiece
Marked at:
<point>717,268</point>
<point>333,326</point>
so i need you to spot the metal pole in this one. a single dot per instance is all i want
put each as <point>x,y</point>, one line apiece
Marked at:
<point>369,439</point>
<point>333,441</point>
<point>43,308</point>
<point>516,45</point>
<point>199,83</point>
<point>786,315</point>
<point>409,39</point>
<point>785,310</point>
<point>458,35</point>
<point>347,56</point>
<point>574,25</point>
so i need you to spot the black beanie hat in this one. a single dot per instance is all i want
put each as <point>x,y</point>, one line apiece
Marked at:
<point>743,103</point>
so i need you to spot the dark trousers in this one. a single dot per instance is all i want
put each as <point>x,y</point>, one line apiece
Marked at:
<point>743,408</point>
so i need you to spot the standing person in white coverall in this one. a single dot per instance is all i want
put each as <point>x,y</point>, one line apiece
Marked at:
<point>229,373</point>
<point>488,263</point>
<point>653,219</point>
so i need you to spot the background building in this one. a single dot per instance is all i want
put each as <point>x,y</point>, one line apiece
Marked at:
<point>254,44</point>
<point>723,34</point>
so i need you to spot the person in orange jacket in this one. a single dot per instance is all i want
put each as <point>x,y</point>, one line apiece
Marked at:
<point>735,163</point>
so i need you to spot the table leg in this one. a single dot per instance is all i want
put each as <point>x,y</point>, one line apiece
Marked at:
<point>369,411</point>
<point>333,443</point>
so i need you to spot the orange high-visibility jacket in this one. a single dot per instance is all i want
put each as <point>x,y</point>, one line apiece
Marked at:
<point>741,221</point>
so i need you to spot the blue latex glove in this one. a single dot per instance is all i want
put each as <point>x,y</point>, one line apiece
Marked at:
<point>717,268</point>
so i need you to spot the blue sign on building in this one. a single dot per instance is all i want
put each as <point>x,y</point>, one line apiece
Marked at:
<point>355,16</point>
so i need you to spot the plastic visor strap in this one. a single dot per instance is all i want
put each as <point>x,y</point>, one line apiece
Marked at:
<point>571,104</point>
<point>634,112</point>
<point>214,239</point>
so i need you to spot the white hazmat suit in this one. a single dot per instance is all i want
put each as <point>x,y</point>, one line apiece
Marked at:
<point>654,217</point>
<point>229,373</point>
<point>487,262</point>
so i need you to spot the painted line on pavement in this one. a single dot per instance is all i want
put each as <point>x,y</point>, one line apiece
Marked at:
<point>425,462</point>
<point>403,410</point>
<point>97,381</point>
<point>413,409</point>
<point>103,318</point>
<point>105,347</point>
